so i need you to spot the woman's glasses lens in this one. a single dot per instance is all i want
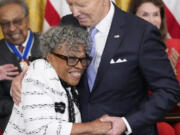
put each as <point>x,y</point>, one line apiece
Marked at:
<point>73,61</point>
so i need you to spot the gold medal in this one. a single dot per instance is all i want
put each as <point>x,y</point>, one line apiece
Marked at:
<point>23,65</point>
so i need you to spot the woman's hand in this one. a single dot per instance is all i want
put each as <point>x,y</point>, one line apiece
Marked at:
<point>173,57</point>
<point>96,127</point>
<point>99,128</point>
<point>178,104</point>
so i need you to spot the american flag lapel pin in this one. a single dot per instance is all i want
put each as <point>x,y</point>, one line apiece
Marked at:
<point>116,36</point>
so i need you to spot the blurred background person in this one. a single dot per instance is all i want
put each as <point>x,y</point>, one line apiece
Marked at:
<point>14,22</point>
<point>153,12</point>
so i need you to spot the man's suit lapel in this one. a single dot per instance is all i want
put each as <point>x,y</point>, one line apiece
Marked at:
<point>7,55</point>
<point>35,52</point>
<point>114,39</point>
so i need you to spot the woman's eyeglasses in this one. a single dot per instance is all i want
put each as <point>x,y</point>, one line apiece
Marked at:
<point>73,61</point>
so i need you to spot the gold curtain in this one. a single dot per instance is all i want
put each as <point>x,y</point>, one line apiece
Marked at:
<point>36,15</point>
<point>1,35</point>
<point>123,4</point>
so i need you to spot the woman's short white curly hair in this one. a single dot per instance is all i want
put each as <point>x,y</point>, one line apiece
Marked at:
<point>70,35</point>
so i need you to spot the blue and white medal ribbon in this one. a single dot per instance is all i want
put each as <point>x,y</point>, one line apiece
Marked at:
<point>23,56</point>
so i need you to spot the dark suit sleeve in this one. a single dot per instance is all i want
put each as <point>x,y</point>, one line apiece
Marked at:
<point>157,71</point>
<point>6,101</point>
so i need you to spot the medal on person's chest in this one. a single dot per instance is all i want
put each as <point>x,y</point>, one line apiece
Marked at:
<point>23,55</point>
<point>23,64</point>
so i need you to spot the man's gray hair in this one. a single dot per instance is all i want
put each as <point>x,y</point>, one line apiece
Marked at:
<point>71,36</point>
<point>21,3</point>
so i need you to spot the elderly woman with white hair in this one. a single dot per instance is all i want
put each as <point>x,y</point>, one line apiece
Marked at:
<point>49,102</point>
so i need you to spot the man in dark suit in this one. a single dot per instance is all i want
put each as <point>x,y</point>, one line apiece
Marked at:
<point>14,22</point>
<point>130,60</point>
